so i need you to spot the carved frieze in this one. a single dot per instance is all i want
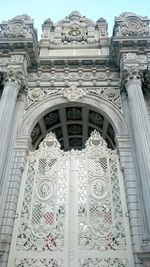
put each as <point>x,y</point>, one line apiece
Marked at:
<point>76,75</point>
<point>133,57</point>
<point>73,93</point>
<point>12,59</point>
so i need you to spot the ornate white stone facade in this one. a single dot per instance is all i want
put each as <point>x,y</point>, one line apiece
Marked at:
<point>75,83</point>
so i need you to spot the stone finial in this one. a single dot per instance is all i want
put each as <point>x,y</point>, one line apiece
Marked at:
<point>74,15</point>
<point>102,25</point>
<point>101,21</point>
<point>48,22</point>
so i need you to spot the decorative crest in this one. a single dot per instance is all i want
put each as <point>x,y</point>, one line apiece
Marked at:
<point>101,20</point>
<point>96,141</point>
<point>74,16</point>
<point>130,24</point>
<point>49,143</point>
<point>18,27</point>
<point>48,22</point>
<point>129,14</point>
<point>23,17</point>
<point>73,93</point>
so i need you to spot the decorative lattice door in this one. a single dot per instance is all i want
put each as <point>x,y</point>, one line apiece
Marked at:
<point>71,209</point>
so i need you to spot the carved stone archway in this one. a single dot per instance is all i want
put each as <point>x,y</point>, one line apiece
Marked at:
<point>99,105</point>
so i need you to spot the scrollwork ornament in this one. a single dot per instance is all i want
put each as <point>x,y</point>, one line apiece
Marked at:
<point>17,58</point>
<point>130,57</point>
<point>14,30</point>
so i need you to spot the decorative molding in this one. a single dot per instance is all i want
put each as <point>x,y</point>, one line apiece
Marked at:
<point>12,59</point>
<point>17,58</point>
<point>133,57</point>
<point>75,75</point>
<point>129,14</point>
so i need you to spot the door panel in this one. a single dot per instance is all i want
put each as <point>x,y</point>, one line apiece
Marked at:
<point>71,210</point>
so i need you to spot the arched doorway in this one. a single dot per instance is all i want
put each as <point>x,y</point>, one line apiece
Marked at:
<point>73,125</point>
<point>71,210</point>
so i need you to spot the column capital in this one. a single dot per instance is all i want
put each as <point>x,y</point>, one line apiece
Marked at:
<point>131,74</point>
<point>16,76</point>
<point>132,68</point>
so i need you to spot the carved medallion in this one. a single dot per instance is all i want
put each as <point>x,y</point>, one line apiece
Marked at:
<point>45,189</point>
<point>74,32</point>
<point>99,188</point>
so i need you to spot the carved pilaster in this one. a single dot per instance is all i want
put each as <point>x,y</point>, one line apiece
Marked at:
<point>14,80</point>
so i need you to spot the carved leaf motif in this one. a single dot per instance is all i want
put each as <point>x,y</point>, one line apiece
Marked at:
<point>73,93</point>
<point>17,75</point>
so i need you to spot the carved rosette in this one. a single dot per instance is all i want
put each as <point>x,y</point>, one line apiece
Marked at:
<point>17,76</point>
<point>73,93</point>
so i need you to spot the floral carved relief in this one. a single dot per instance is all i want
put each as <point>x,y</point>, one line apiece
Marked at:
<point>73,93</point>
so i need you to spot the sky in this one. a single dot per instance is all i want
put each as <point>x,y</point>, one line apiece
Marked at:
<point>40,10</point>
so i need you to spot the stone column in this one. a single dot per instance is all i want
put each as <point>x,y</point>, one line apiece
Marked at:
<point>132,80</point>
<point>14,80</point>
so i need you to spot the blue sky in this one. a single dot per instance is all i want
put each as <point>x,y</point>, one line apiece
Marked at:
<point>40,10</point>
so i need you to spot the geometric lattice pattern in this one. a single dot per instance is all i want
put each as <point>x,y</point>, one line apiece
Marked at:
<point>66,209</point>
<point>101,222</point>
